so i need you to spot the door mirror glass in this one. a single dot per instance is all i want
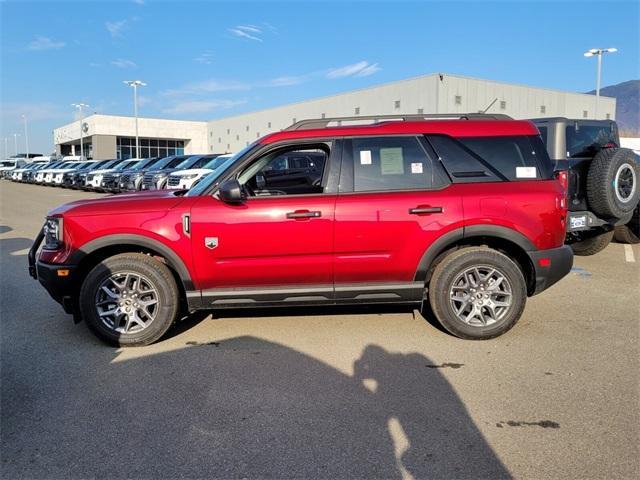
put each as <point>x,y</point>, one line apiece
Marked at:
<point>231,191</point>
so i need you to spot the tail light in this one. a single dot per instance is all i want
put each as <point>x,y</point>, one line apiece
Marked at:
<point>563,178</point>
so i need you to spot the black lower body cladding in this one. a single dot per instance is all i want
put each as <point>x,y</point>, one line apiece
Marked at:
<point>550,266</point>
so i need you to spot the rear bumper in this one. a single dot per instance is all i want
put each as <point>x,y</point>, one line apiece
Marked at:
<point>579,221</point>
<point>550,266</point>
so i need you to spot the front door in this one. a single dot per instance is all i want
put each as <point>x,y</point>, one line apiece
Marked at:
<point>275,246</point>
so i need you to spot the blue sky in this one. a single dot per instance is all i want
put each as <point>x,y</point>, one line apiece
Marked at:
<point>205,60</point>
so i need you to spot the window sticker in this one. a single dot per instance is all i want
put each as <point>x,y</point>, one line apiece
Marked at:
<point>526,172</point>
<point>391,161</point>
<point>365,157</point>
<point>416,168</point>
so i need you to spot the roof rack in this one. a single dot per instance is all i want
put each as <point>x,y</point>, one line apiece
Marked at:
<point>324,122</point>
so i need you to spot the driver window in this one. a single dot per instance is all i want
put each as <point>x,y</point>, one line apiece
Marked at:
<point>286,172</point>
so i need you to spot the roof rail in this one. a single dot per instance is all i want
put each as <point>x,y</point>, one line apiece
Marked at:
<point>324,122</point>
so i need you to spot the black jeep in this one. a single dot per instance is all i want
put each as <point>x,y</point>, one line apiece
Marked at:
<point>602,181</point>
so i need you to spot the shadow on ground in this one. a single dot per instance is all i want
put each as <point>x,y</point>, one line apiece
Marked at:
<point>236,408</point>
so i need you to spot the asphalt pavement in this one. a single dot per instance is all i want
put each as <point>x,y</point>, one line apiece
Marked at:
<point>333,393</point>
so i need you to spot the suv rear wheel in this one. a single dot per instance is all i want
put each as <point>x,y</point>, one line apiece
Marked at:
<point>129,299</point>
<point>477,293</point>
<point>593,244</point>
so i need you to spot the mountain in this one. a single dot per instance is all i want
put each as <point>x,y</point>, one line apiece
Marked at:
<point>627,95</point>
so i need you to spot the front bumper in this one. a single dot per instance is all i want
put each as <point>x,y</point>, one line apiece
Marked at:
<point>550,266</point>
<point>62,288</point>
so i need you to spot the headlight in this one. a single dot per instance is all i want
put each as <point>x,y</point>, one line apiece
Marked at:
<point>189,177</point>
<point>52,233</point>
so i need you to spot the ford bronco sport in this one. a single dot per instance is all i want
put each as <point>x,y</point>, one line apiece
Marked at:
<point>603,179</point>
<point>463,214</point>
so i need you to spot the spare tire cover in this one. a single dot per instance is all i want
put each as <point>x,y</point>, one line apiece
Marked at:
<point>612,182</point>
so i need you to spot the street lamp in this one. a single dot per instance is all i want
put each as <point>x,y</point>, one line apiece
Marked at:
<point>80,106</point>
<point>15,142</point>
<point>135,84</point>
<point>26,137</point>
<point>598,52</point>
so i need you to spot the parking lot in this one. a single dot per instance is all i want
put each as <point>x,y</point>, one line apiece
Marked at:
<point>327,393</point>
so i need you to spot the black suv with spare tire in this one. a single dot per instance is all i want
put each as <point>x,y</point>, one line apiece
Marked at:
<point>603,190</point>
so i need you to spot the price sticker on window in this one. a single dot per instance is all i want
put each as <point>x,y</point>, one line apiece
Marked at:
<point>365,157</point>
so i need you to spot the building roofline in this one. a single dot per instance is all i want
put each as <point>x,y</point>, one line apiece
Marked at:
<point>131,117</point>
<point>396,82</point>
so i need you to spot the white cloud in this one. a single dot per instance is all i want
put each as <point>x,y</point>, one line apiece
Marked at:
<point>138,2</point>
<point>360,69</point>
<point>206,86</point>
<point>199,106</point>
<point>45,43</point>
<point>205,58</point>
<point>286,81</point>
<point>116,28</point>
<point>123,63</point>
<point>249,32</point>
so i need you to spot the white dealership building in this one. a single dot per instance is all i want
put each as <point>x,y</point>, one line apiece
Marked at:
<point>108,136</point>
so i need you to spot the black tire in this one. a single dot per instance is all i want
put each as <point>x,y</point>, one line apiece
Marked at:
<point>624,234</point>
<point>608,167</point>
<point>154,273</point>
<point>592,245</point>
<point>454,265</point>
<point>629,233</point>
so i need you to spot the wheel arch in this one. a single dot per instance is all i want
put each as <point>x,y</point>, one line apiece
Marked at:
<point>503,239</point>
<point>92,253</point>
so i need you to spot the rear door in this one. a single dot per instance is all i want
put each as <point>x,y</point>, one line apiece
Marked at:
<point>394,202</point>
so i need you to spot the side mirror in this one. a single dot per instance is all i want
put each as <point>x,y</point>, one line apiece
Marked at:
<point>231,191</point>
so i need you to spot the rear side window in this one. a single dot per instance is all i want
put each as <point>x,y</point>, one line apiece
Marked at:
<point>514,158</point>
<point>390,163</point>
<point>584,141</point>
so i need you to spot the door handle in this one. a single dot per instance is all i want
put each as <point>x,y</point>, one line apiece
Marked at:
<point>425,210</point>
<point>304,214</point>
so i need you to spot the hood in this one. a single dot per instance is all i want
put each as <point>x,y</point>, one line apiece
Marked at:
<point>123,203</point>
<point>191,171</point>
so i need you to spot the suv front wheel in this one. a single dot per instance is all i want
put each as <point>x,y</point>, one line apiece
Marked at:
<point>129,299</point>
<point>477,293</point>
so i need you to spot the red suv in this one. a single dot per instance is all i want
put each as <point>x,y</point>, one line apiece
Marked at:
<point>465,214</point>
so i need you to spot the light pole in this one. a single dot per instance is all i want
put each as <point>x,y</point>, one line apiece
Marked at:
<point>26,137</point>
<point>15,142</point>
<point>135,84</point>
<point>598,52</point>
<point>80,106</point>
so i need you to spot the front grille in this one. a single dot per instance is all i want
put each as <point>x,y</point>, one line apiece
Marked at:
<point>147,181</point>
<point>124,179</point>
<point>174,181</point>
<point>90,177</point>
<point>108,178</point>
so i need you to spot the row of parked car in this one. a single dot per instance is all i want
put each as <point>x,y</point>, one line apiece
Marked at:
<point>119,175</point>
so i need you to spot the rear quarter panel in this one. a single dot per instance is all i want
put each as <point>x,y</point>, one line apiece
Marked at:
<point>533,209</point>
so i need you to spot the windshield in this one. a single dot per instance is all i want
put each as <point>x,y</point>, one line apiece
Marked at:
<point>211,179</point>
<point>216,162</point>
<point>130,163</point>
<point>144,163</point>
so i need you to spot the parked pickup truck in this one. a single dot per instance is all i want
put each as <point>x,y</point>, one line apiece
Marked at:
<point>603,180</point>
<point>463,213</point>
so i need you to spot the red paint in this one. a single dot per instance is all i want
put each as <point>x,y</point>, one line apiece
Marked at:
<point>356,237</point>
